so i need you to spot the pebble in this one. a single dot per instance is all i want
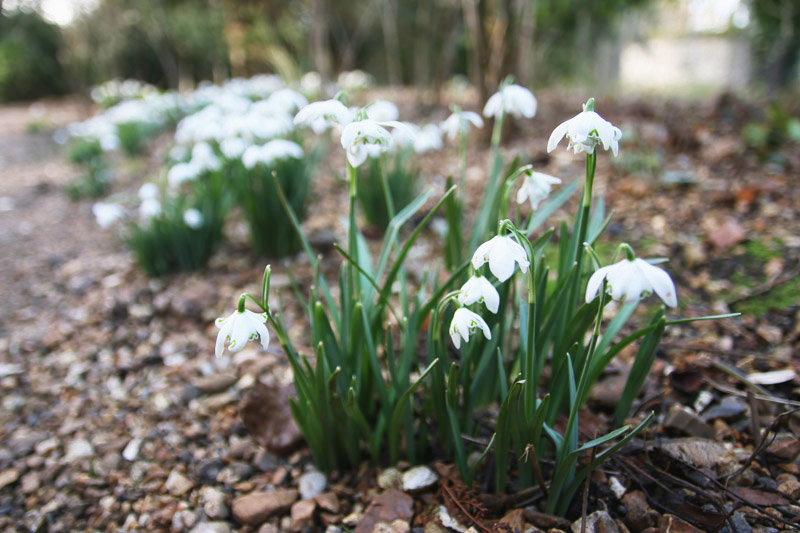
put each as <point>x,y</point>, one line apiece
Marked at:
<point>327,501</point>
<point>7,477</point>
<point>597,522</point>
<point>419,478</point>
<point>78,449</point>
<point>388,506</point>
<point>177,484</point>
<point>311,484</point>
<point>211,527</point>
<point>255,508</point>
<point>214,503</point>
<point>131,451</point>
<point>302,514</point>
<point>389,478</point>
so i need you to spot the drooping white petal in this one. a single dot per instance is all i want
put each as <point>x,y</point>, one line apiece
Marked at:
<point>595,282</point>
<point>464,323</point>
<point>479,289</point>
<point>661,282</point>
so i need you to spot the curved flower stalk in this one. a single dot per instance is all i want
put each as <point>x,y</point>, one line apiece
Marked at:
<point>632,279</point>
<point>584,132</point>
<point>465,323</point>
<point>501,252</point>
<point>511,99</point>
<point>536,188</point>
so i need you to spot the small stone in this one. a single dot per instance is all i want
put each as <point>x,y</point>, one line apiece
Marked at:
<point>673,524</point>
<point>7,477</point>
<point>255,508</point>
<point>333,529</point>
<point>211,527</point>
<point>791,488</point>
<point>616,487</point>
<point>419,478</point>
<point>78,449</point>
<point>215,383</point>
<point>352,519</point>
<point>183,520</point>
<point>30,482</point>
<point>386,507</point>
<point>311,484</point>
<point>689,423</point>
<point>46,446</point>
<point>214,503</point>
<point>699,452</point>
<point>327,501</point>
<point>177,484</point>
<point>597,522</point>
<point>514,519</point>
<point>302,514</point>
<point>389,478</point>
<point>131,451</point>
<point>785,448</point>
<point>400,526</point>
<point>268,528</point>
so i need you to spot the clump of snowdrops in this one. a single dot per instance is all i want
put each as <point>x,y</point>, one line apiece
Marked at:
<point>492,326</point>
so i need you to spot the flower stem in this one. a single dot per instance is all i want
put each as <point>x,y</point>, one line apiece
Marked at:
<point>352,241</point>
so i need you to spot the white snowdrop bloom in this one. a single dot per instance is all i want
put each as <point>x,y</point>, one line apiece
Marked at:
<point>311,83</point>
<point>585,131</point>
<point>240,327</point>
<point>232,147</point>
<point>464,323</point>
<point>367,138</point>
<point>204,158</point>
<point>405,136</point>
<point>452,126</point>
<point>536,188</point>
<point>428,138</point>
<point>355,80</point>
<point>382,111</point>
<point>148,191</point>
<point>287,99</point>
<point>479,289</point>
<point>511,99</point>
<point>178,153</point>
<point>106,214</point>
<point>181,172</point>
<point>193,218</point>
<point>629,280</point>
<point>328,111</point>
<point>149,208</point>
<point>501,252</point>
<point>271,152</point>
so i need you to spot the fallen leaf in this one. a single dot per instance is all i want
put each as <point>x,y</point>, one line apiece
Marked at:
<point>727,234</point>
<point>760,497</point>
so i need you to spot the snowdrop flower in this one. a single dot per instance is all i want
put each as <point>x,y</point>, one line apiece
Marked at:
<point>240,327</point>
<point>178,153</point>
<point>428,138</point>
<point>271,152</point>
<point>464,323</point>
<point>323,114</point>
<point>479,289</point>
<point>452,126</point>
<point>512,99</point>
<point>107,214</point>
<point>584,132</point>
<point>501,252</point>
<point>148,191</point>
<point>287,99</point>
<point>232,147</point>
<point>150,208</point>
<point>381,111</point>
<point>367,138</point>
<point>182,172</point>
<point>204,158</point>
<point>536,188</point>
<point>630,279</point>
<point>193,218</point>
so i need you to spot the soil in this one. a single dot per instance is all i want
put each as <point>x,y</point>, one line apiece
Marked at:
<point>117,416</point>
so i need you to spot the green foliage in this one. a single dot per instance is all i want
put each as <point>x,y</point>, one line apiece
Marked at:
<point>29,57</point>
<point>166,244</point>
<point>271,234</point>
<point>394,174</point>
<point>133,136</point>
<point>96,179</point>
